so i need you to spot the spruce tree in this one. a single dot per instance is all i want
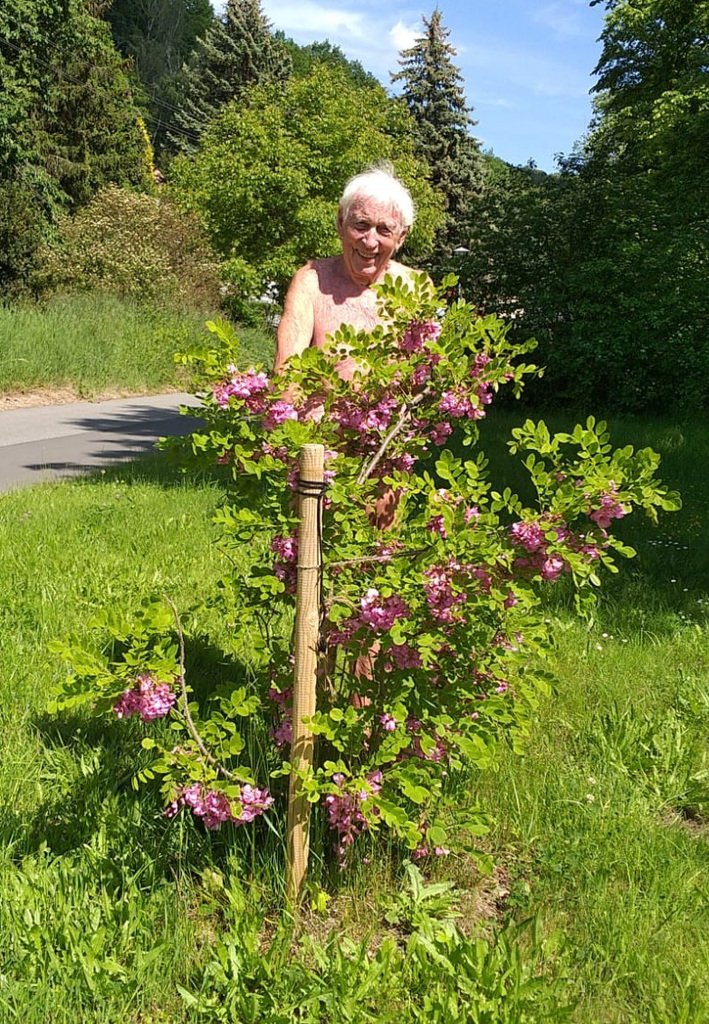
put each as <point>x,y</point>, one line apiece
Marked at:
<point>237,50</point>
<point>433,92</point>
<point>69,123</point>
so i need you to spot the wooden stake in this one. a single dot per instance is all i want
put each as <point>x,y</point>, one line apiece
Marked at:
<point>307,625</point>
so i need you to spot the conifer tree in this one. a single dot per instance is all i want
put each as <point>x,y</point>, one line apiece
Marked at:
<point>69,123</point>
<point>237,50</point>
<point>433,92</point>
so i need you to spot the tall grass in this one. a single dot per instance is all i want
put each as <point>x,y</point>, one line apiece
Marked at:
<point>92,343</point>
<point>108,912</point>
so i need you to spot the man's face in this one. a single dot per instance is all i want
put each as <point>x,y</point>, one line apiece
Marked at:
<point>370,236</point>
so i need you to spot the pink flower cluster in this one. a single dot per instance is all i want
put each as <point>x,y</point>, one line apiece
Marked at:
<point>148,698</point>
<point>285,565</point>
<point>610,508</point>
<point>418,333</point>
<point>277,413</point>
<point>443,600</point>
<point>283,732</point>
<point>214,807</point>
<point>405,656</point>
<point>344,811</point>
<point>241,385</point>
<point>533,537</point>
<point>440,432</point>
<point>436,754</point>
<point>380,613</point>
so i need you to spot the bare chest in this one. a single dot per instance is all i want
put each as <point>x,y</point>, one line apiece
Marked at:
<point>331,313</point>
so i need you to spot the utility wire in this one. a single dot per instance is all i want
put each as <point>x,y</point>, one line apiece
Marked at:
<point>61,73</point>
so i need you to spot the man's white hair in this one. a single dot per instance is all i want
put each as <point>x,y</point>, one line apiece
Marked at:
<point>380,184</point>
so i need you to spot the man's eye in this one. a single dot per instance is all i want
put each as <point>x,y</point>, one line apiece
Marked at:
<point>384,230</point>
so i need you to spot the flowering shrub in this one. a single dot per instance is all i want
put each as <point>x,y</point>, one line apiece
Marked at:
<point>432,640</point>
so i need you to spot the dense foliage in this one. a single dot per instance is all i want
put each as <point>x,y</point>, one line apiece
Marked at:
<point>237,51</point>
<point>607,261</point>
<point>159,36</point>
<point>135,246</point>
<point>270,170</point>
<point>68,121</point>
<point>432,633</point>
<point>303,59</point>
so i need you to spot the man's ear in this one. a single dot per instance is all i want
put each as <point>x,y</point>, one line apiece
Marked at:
<point>402,239</point>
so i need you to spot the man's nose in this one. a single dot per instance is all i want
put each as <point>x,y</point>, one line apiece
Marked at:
<point>370,238</point>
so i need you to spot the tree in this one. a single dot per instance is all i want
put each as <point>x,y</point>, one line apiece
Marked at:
<point>637,289</point>
<point>68,119</point>
<point>304,59</point>
<point>433,93</point>
<point>607,262</point>
<point>270,169</point>
<point>159,36</point>
<point>237,51</point>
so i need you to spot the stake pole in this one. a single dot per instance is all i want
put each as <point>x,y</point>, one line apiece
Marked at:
<point>307,626</point>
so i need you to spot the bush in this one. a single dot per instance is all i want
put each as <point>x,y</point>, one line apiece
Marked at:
<point>135,246</point>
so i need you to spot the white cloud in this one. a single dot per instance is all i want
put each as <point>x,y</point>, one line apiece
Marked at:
<point>335,22</point>
<point>404,36</point>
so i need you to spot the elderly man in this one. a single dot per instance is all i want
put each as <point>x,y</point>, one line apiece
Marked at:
<point>375,214</point>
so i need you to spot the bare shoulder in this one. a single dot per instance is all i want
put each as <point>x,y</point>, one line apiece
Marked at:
<point>304,280</point>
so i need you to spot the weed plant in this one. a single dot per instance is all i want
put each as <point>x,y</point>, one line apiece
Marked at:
<point>110,913</point>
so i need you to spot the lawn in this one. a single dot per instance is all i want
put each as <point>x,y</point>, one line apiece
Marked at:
<point>108,912</point>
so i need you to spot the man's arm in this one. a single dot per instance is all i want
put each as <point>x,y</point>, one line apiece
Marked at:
<point>295,331</point>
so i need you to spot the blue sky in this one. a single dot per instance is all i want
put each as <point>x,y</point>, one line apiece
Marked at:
<point>526,64</point>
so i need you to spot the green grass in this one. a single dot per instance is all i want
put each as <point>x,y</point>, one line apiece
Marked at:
<point>109,913</point>
<point>92,344</point>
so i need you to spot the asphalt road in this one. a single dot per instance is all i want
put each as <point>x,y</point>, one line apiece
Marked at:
<point>55,442</point>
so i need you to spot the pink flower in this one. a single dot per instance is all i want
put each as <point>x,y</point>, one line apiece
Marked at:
<point>388,721</point>
<point>214,807</point>
<point>344,811</point>
<point>528,535</point>
<point>240,385</point>
<point>284,566</point>
<point>440,432</point>
<point>379,613</point>
<point>405,656</point>
<point>278,413</point>
<point>149,699</point>
<point>610,508</point>
<point>282,734</point>
<point>418,333</point>
<point>552,567</point>
<point>436,524</point>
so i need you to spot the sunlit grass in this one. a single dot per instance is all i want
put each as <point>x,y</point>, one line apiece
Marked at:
<point>92,344</point>
<point>601,829</point>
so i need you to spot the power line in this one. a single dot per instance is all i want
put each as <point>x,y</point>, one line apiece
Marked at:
<point>61,73</point>
<point>65,51</point>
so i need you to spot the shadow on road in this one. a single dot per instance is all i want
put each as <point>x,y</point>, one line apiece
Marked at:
<point>110,439</point>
